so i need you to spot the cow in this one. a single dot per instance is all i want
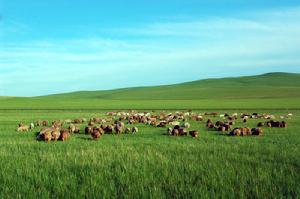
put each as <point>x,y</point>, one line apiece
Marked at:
<point>235,132</point>
<point>260,124</point>
<point>127,130</point>
<point>134,130</point>
<point>175,132</point>
<point>55,135</point>
<point>39,123</point>
<point>108,129</point>
<point>45,123</point>
<point>64,134</point>
<point>182,131</point>
<point>194,133</point>
<point>96,134</point>
<point>31,126</point>
<point>88,130</point>
<point>169,131</point>
<point>23,129</point>
<point>256,131</point>
<point>186,125</point>
<point>78,121</point>
<point>118,129</point>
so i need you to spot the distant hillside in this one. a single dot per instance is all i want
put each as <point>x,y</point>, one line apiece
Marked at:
<point>270,85</point>
<point>268,91</point>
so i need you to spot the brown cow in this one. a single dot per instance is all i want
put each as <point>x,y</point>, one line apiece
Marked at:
<point>194,133</point>
<point>55,135</point>
<point>23,129</point>
<point>96,134</point>
<point>45,123</point>
<point>88,130</point>
<point>134,130</point>
<point>182,132</point>
<point>64,134</point>
<point>256,131</point>
<point>175,132</point>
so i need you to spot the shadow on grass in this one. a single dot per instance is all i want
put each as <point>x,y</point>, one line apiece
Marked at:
<point>86,138</point>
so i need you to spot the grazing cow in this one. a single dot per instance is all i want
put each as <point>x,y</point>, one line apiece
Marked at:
<point>108,129</point>
<point>58,123</point>
<point>235,132</point>
<point>222,128</point>
<point>55,135</point>
<point>245,131</point>
<point>219,123</point>
<point>256,131</point>
<point>187,125</point>
<point>47,136</point>
<point>260,124</point>
<point>23,129</point>
<point>194,133</point>
<point>284,124</point>
<point>64,134</point>
<point>39,123</point>
<point>74,129</point>
<point>175,123</point>
<point>177,127</point>
<point>88,130</point>
<point>169,131</point>
<point>209,121</point>
<point>162,124</point>
<point>118,129</point>
<point>77,129</point>
<point>199,118</point>
<point>96,134</point>
<point>134,130</point>
<point>277,124</point>
<point>68,121</point>
<point>182,132</point>
<point>91,123</point>
<point>175,132</point>
<point>31,126</point>
<point>127,130</point>
<point>78,121</point>
<point>99,129</point>
<point>211,126</point>
<point>45,123</point>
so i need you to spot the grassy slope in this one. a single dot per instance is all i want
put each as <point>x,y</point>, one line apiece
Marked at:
<point>273,90</point>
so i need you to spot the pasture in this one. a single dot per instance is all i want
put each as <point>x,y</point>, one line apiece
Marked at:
<point>149,164</point>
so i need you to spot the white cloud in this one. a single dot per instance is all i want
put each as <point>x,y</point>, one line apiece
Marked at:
<point>157,53</point>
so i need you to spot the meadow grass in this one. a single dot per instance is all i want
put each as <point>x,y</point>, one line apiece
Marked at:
<point>149,164</point>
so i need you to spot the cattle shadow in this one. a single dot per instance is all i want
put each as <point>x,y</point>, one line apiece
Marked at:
<point>85,138</point>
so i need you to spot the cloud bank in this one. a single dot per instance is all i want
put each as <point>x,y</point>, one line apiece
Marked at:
<point>153,54</point>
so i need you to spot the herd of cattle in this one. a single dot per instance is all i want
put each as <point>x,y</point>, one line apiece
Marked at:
<point>176,124</point>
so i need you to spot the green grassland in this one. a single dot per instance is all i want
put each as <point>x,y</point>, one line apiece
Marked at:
<point>151,164</point>
<point>269,91</point>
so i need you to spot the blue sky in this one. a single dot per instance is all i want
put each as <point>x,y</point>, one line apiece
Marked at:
<point>55,46</point>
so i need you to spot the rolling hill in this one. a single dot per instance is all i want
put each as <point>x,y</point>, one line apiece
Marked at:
<point>271,90</point>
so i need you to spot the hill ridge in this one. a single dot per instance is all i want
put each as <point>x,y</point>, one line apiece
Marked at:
<point>213,88</point>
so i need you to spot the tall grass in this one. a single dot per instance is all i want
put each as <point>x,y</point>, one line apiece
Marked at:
<point>149,164</point>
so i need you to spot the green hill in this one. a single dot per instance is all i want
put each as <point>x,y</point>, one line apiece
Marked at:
<point>271,90</point>
<point>271,85</point>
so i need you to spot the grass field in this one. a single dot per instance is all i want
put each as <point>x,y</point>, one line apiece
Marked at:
<point>151,164</point>
<point>148,164</point>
